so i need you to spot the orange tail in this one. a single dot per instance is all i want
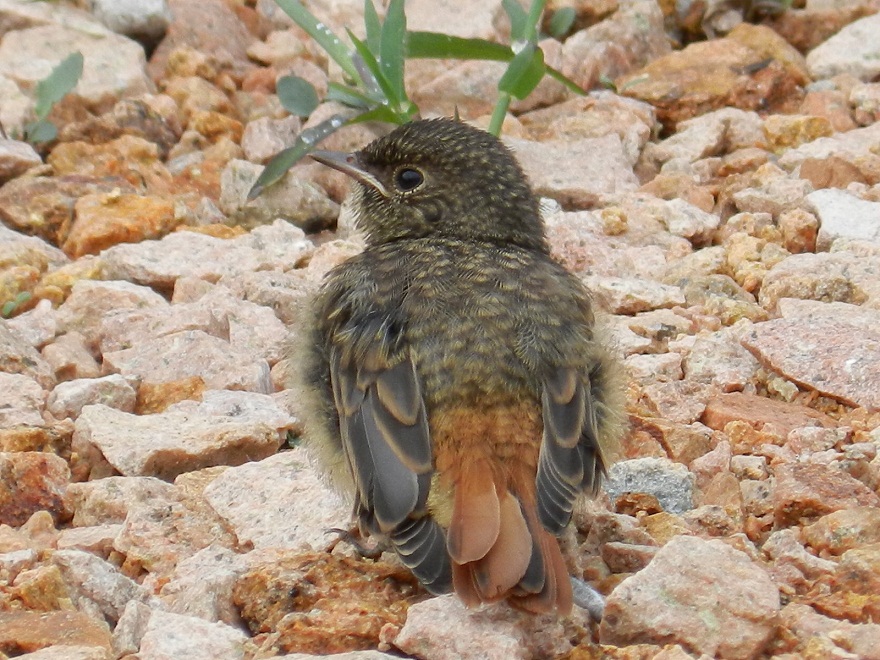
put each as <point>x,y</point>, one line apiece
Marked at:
<point>499,549</point>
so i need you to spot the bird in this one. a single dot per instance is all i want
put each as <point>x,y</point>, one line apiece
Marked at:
<point>459,388</point>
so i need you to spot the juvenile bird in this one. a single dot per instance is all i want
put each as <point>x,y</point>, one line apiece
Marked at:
<point>460,391</point>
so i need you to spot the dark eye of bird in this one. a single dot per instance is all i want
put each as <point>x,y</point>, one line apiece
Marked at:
<point>409,179</point>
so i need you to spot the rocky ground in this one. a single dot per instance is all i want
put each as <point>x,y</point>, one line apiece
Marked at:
<point>723,205</point>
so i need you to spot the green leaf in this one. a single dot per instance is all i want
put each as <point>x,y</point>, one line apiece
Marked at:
<point>348,96</point>
<point>320,33</point>
<point>372,66</point>
<point>9,307</point>
<point>524,72</point>
<point>434,45</point>
<point>393,49</point>
<point>40,131</point>
<point>373,26</point>
<point>561,21</point>
<point>58,83</point>
<point>518,19</point>
<point>379,113</point>
<point>282,161</point>
<point>556,74</point>
<point>297,95</point>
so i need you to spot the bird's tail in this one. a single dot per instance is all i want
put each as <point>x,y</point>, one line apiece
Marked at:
<point>498,547</point>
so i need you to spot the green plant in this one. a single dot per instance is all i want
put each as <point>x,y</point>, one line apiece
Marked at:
<point>10,306</point>
<point>373,87</point>
<point>50,90</point>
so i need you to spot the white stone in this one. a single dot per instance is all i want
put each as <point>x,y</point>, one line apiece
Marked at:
<point>114,66</point>
<point>842,215</point>
<point>171,636</point>
<point>69,398</point>
<point>854,50</point>
<point>168,444</point>
<point>279,502</point>
<point>134,18</point>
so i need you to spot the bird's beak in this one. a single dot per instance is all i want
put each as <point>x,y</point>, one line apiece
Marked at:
<point>349,164</point>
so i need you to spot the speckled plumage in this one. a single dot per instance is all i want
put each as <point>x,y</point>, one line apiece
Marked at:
<point>458,379</point>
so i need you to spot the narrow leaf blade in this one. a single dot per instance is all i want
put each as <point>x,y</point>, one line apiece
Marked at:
<point>320,33</point>
<point>348,96</point>
<point>282,161</point>
<point>393,49</point>
<point>433,45</point>
<point>373,26</point>
<point>518,19</point>
<point>372,65</point>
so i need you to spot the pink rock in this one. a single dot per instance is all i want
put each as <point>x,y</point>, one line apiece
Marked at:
<point>68,399</point>
<point>280,501</point>
<point>627,40</point>
<point>618,295</point>
<point>844,530</point>
<point>37,326</point>
<point>703,595</point>
<point>809,627</point>
<point>169,635</point>
<point>70,358</point>
<point>91,300</point>
<point>170,443</point>
<point>845,368</point>
<point>805,490</point>
<point>719,359</point>
<point>576,173</point>
<point>97,585</point>
<point>97,540</point>
<point>18,357</point>
<point>160,533</point>
<point>32,482</point>
<point>492,632</point>
<point>279,246</point>
<point>107,501</point>
<point>201,585</point>
<point>23,400</point>
<point>191,353</point>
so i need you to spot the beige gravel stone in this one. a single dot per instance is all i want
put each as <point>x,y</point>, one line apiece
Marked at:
<point>170,443</point>
<point>716,601</point>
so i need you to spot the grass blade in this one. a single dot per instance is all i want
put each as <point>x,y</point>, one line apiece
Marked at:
<point>282,161</point>
<point>556,74</point>
<point>518,19</point>
<point>348,96</point>
<point>373,26</point>
<point>379,113</point>
<point>433,45</point>
<point>320,33</point>
<point>393,49</point>
<point>372,66</point>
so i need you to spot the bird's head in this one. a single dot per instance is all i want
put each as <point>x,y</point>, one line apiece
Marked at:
<point>440,177</point>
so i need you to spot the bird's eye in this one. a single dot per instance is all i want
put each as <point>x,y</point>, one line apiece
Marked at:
<point>409,179</point>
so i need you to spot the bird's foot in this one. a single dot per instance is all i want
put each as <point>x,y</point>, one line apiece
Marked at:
<point>588,598</point>
<point>354,539</point>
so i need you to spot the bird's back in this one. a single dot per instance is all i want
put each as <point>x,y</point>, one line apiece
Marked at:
<point>485,327</point>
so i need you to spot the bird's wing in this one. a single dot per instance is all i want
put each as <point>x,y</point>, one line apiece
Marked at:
<point>385,435</point>
<point>570,461</point>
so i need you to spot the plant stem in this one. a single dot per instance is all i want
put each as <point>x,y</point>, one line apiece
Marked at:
<point>499,113</point>
<point>535,11</point>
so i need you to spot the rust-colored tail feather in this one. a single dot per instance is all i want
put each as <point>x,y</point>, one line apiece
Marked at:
<point>499,549</point>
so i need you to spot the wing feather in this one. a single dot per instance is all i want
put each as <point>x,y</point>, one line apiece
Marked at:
<point>569,462</point>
